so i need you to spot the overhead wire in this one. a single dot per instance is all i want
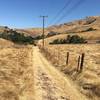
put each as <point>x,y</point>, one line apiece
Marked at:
<point>61,10</point>
<point>73,8</point>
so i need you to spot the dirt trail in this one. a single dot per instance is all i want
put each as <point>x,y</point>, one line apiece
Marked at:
<point>50,84</point>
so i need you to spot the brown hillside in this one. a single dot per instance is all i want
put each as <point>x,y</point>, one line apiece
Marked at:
<point>87,25</point>
<point>79,26</point>
<point>88,28</point>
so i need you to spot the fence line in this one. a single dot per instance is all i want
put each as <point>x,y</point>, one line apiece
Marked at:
<point>58,55</point>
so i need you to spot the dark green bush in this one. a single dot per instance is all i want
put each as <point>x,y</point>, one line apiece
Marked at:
<point>52,33</point>
<point>17,37</point>
<point>39,37</point>
<point>98,41</point>
<point>56,41</point>
<point>91,29</point>
<point>75,39</point>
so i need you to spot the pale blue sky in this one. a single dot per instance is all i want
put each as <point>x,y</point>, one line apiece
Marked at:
<point>25,13</point>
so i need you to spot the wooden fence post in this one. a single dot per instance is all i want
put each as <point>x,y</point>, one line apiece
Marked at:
<point>58,57</point>
<point>82,62</point>
<point>78,64</point>
<point>67,59</point>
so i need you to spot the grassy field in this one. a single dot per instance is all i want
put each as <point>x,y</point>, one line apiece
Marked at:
<point>88,80</point>
<point>16,73</point>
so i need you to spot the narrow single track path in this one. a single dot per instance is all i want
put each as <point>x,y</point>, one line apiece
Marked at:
<point>51,84</point>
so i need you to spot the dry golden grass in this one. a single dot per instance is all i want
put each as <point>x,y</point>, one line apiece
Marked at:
<point>16,73</point>
<point>89,80</point>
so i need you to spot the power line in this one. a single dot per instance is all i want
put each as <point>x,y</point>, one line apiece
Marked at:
<point>60,11</point>
<point>70,10</point>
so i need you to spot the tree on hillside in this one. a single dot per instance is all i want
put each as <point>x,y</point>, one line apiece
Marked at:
<point>16,37</point>
<point>75,39</point>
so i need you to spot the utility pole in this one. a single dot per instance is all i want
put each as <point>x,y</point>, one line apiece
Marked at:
<point>43,28</point>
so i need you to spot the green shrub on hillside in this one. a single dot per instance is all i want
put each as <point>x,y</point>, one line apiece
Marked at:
<point>75,39</point>
<point>38,37</point>
<point>17,37</point>
<point>56,41</point>
<point>98,41</point>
